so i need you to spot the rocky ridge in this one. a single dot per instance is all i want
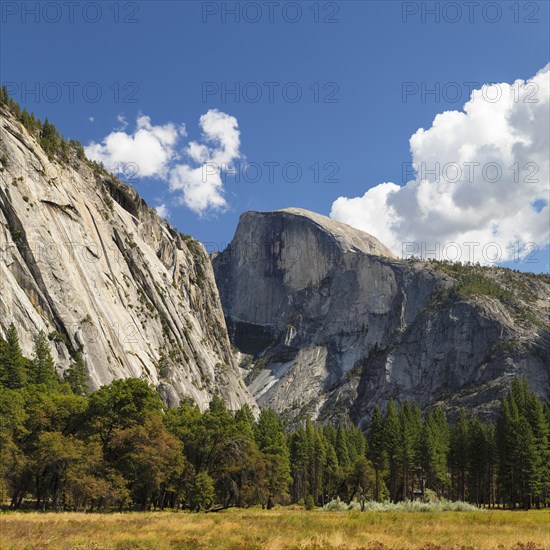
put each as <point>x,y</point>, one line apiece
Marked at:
<point>331,323</point>
<point>83,258</point>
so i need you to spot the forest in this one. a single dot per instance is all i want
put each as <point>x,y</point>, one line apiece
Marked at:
<point>120,448</point>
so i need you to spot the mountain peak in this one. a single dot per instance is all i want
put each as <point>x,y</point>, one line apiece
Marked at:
<point>347,237</point>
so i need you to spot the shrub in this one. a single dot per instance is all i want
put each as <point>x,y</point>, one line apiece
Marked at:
<point>405,506</point>
<point>309,503</point>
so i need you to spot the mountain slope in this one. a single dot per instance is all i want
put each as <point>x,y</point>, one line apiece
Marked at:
<point>84,259</point>
<point>334,324</point>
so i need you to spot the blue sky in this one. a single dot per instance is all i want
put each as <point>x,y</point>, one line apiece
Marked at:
<point>161,54</point>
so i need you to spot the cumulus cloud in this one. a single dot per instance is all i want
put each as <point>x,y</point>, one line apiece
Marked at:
<point>201,186</point>
<point>150,148</point>
<point>162,211</point>
<point>192,171</point>
<point>477,176</point>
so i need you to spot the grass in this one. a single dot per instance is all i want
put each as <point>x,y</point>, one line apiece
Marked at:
<point>277,529</point>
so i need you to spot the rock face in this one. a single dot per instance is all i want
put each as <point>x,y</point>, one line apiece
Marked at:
<point>84,259</point>
<point>333,324</point>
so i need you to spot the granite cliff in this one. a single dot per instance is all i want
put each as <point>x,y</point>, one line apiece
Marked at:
<point>329,323</point>
<point>83,258</point>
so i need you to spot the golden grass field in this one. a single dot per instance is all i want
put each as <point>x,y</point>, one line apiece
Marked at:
<point>277,529</point>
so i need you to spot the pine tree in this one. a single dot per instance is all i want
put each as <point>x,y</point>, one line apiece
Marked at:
<point>534,413</point>
<point>477,459</point>
<point>527,463</point>
<point>458,456</point>
<point>331,477</point>
<point>506,443</point>
<point>392,436</point>
<point>43,366</point>
<point>77,375</point>
<point>50,139</point>
<point>271,440</point>
<point>299,453</point>
<point>434,451</point>
<point>377,452</point>
<point>12,362</point>
<point>201,494</point>
<point>408,440</point>
<point>341,447</point>
<point>245,421</point>
<point>318,460</point>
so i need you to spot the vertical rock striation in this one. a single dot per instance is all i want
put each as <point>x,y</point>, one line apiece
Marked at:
<point>83,258</point>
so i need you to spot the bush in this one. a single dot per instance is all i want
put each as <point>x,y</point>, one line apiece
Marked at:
<point>406,506</point>
<point>309,503</point>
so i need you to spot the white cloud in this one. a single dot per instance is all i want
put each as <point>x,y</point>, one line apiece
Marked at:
<point>482,176</point>
<point>122,121</point>
<point>201,187</point>
<point>155,150</point>
<point>162,211</point>
<point>150,148</point>
<point>199,191</point>
<point>91,119</point>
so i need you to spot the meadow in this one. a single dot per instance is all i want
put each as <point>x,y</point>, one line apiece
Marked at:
<point>283,528</point>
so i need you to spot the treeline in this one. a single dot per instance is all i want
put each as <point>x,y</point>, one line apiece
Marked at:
<point>48,136</point>
<point>120,448</point>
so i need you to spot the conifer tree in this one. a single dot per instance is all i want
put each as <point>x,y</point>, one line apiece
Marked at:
<point>77,375</point>
<point>477,459</point>
<point>458,458</point>
<point>392,436</point>
<point>271,440</point>
<point>43,366</point>
<point>377,451</point>
<point>12,362</point>
<point>341,447</point>
<point>434,450</point>
<point>408,439</point>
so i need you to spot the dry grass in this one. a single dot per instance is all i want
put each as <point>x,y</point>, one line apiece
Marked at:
<point>277,529</point>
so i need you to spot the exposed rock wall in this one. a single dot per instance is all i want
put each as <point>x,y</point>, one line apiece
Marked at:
<point>83,258</point>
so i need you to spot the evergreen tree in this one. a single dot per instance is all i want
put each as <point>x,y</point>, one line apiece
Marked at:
<point>12,362</point>
<point>459,453</point>
<point>245,421</point>
<point>434,450</point>
<point>408,440</point>
<point>201,495</point>
<point>50,139</point>
<point>392,436</point>
<point>377,451</point>
<point>77,375</point>
<point>331,472</point>
<point>271,440</point>
<point>534,414</point>
<point>477,460</point>
<point>43,366</point>
<point>299,453</point>
<point>341,446</point>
